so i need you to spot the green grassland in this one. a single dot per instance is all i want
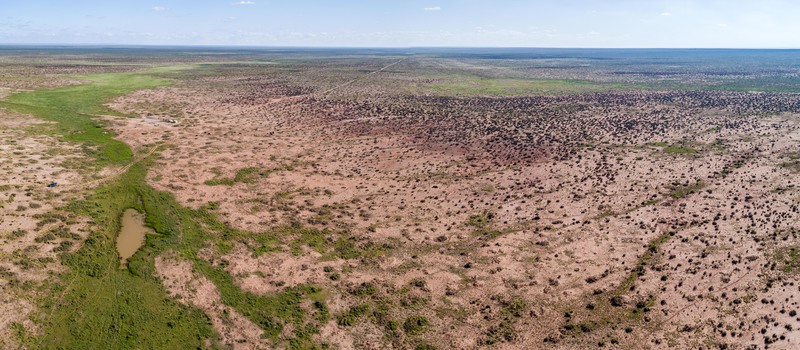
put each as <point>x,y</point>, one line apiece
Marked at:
<point>97,305</point>
<point>481,86</point>
<point>73,109</point>
<point>760,84</point>
<point>467,85</point>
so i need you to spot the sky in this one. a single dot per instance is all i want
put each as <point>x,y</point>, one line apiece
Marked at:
<point>404,23</point>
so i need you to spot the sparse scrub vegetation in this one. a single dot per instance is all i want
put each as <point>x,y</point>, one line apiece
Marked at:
<point>244,175</point>
<point>676,149</point>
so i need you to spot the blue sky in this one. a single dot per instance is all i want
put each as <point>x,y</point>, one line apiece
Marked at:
<point>388,23</point>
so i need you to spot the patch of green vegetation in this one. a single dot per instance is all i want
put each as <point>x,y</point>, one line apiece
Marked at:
<point>222,181</point>
<point>473,85</point>
<point>259,244</point>
<point>415,324</point>
<point>644,204</point>
<point>680,148</point>
<point>272,312</point>
<point>651,202</point>
<point>352,316</point>
<point>792,155</point>
<point>760,84</point>
<point>481,220</point>
<point>73,109</point>
<point>424,346</point>
<point>180,229</point>
<point>677,149</point>
<point>611,308</point>
<point>641,264</point>
<point>681,191</point>
<point>793,166</point>
<point>107,307</point>
<point>788,258</point>
<point>381,307</point>
<point>244,175</point>
<point>483,225</point>
<point>510,311</point>
<point>332,244</point>
<point>364,290</point>
<point>22,335</point>
<point>743,84</point>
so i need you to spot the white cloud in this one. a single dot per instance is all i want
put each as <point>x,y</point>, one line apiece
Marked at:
<point>159,8</point>
<point>434,8</point>
<point>245,3</point>
<point>666,14</point>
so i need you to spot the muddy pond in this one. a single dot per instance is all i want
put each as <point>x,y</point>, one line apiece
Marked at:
<point>131,235</point>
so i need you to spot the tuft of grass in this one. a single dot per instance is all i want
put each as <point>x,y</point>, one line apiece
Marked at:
<point>793,166</point>
<point>424,346</point>
<point>483,225</point>
<point>510,311</point>
<point>481,220</point>
<point>788,258</point>
<point>352,316</point>
<point>222,181</point>
<point>681,191</point>
<point>416,324</point>
<point>244,175</point>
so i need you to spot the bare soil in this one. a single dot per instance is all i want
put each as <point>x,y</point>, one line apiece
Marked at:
<point>482,201</point>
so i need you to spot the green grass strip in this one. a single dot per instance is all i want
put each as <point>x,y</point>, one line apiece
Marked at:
<point>73,109</point>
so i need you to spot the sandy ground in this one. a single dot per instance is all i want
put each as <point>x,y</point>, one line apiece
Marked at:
<point>237,331</point>
<point>565,230</point>
<point>32,230</point>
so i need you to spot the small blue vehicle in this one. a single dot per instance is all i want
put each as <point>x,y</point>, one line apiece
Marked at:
<point>52,184</point>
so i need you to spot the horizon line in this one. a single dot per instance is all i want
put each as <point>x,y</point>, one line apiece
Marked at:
<point>96,45</point>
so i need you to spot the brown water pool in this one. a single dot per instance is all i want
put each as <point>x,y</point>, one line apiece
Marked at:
<point>131,236</point>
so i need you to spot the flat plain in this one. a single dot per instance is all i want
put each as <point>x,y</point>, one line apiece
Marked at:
<point>400,198</point>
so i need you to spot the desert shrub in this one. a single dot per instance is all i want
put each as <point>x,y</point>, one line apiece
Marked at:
<point>415,324</point>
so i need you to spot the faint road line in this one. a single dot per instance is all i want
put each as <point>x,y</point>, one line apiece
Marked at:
<point>362,77</point>
<point>116,172</point>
